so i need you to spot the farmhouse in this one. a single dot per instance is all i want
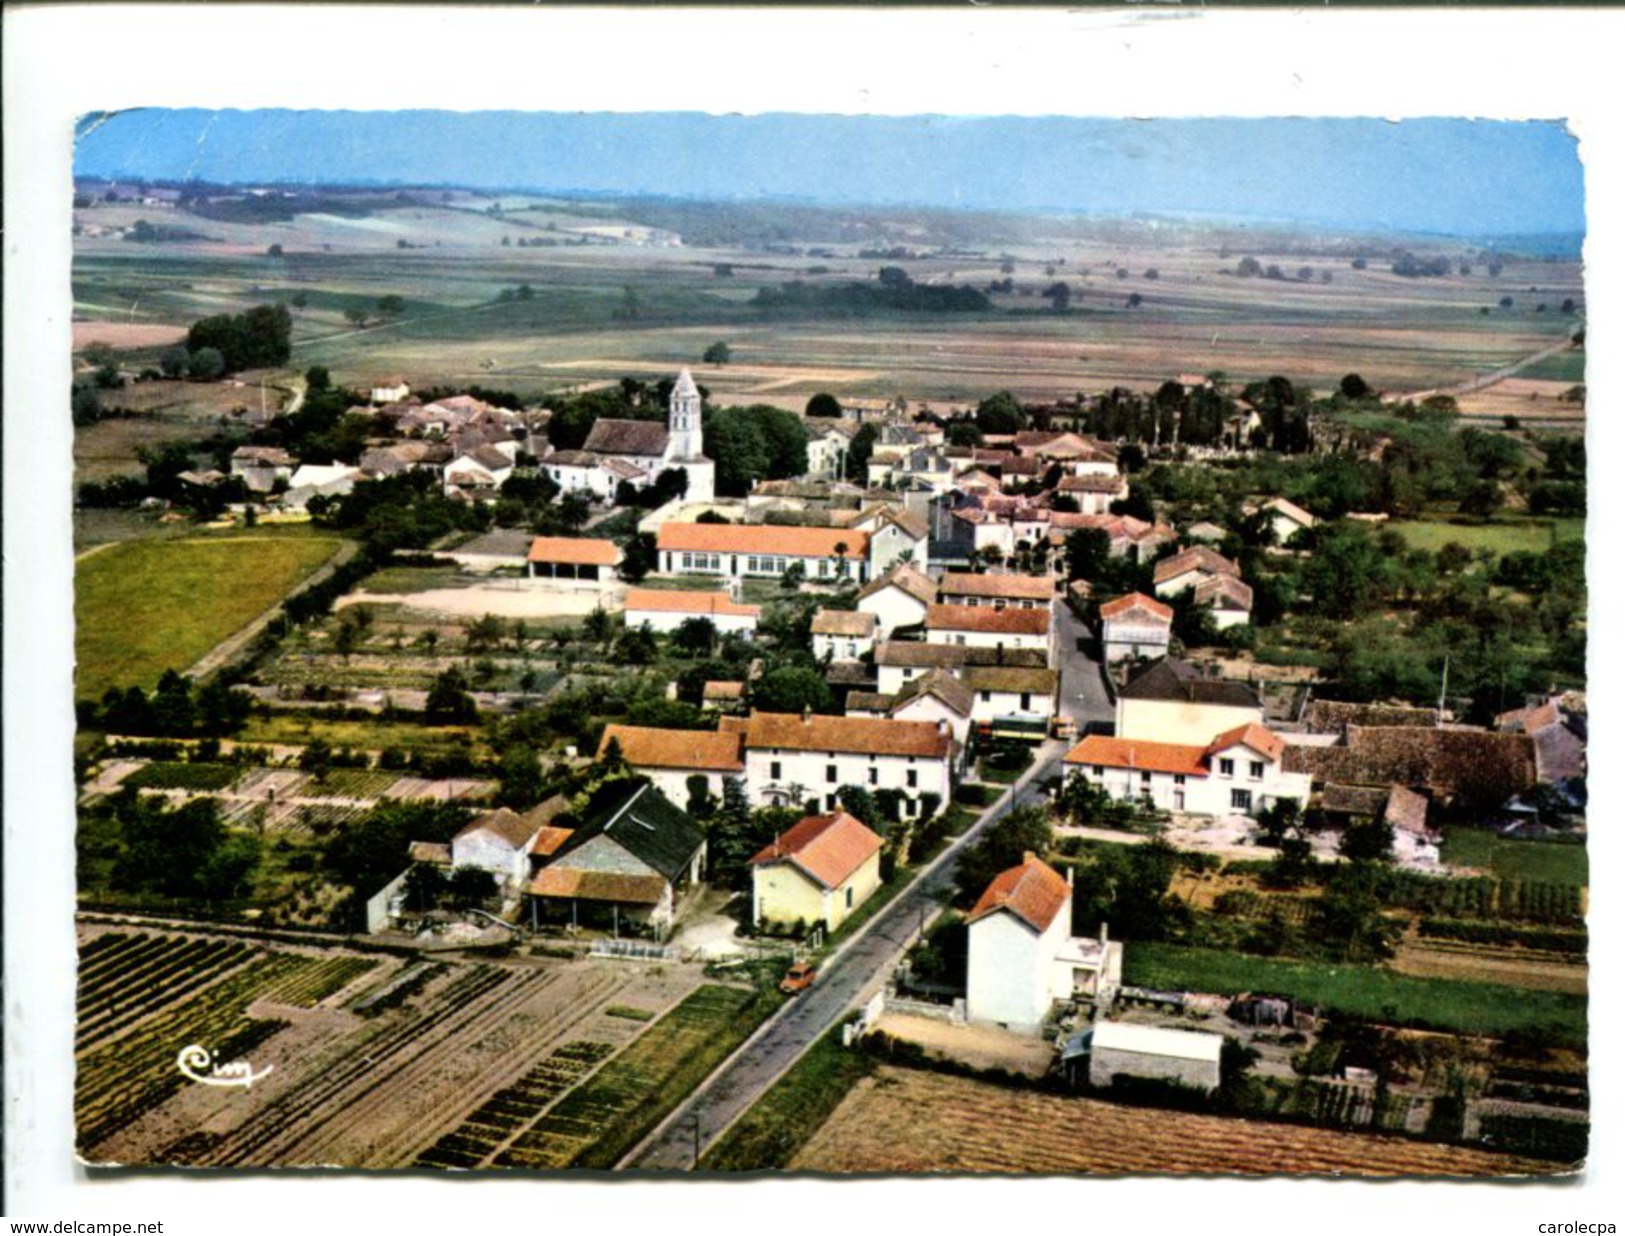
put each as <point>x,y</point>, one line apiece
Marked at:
<point>1238,772</point>
<point>319,480</point>
<point>389,390</point>
<point>898,598</point>
<point>261,467</point>
<point>997,591</point>
<point>898,662</point>
<point>1109,1050</point>
<point>820,871</point>
<point>664,610</point>
<point>1191,567</point>
<point>1559,729</point>
<point>980,627</point>
<point>842,634</point>
<point>671,759</point>
<point>935,696</point>
<point>740,551</point>
<point>570,557</point>
<point>1126,536</point>
<point>1173,701</point>
<point>500,842</point>
<point>1135,626</point>
<point>794,758</point>
<point>1286,519</point>
<point>1094,492</point>
<point>481,470</point>
<point>624,867</point>
<point>1023,957</point>
<point>1476,766</point>
<point>894,536</point>
<point>1001,691</point>
<point>1228,599</point>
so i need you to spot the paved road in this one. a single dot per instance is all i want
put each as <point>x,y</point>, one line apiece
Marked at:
<point>1083,693</point>
<point>845,981</point>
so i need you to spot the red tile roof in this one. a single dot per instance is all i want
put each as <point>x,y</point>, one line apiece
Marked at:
<point>685,601</point>
<point>1197,558</point>
<point>843,622</point>
<point>579,551</point>
<point>1133,601</point>
<point>854,735</point>
<point>573,882</point>
<point>645,747</point>
<point>782,539</point>
<point>1034,892</point>
<point>549,840</point>
<point>1140,755</point>
<point>827,848</point>
<point>987,619</point>
<point>1250,735</point>
<point>1023,587</point>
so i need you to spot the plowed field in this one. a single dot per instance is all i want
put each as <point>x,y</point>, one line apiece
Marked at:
<point>904,1120</point>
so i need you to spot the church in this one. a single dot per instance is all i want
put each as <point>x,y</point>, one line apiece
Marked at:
<point>639,451</point>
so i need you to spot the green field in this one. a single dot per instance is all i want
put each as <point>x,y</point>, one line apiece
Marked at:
<point>298,729</point>
<point>1504,536</point>
<point>1364,991</point>
<point>143,607</point>
<point>779,1123</point>
<point>1553,862</point>
<point>597,1123</point>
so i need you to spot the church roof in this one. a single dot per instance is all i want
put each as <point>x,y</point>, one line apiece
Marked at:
<point>685,384</point>
<point>610,436</point>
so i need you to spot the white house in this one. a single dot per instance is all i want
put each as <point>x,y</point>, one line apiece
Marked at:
<point>1135,626</point>
<point>1094,492</point>
<point>1190,567</point>
<point>898,598</point>
<point>793,758</point>
<point>579,472</point>
<point>261,467</point>
<point>1238,772</point>
<point>744,551</point>
<point>389,390</point>
<point>663,610</point>
<point>312,480</point>
<point>1287,519</point>
<point>1172,701</point>
<point>998,691</point>
<point>936,696</point>
<point>1023,957</point>
<point>1228,600</point>
<point>981,627</point>
<point>997,591</point>
<point>842,635</point>
<point>670,757</point>
<point>498,842</point>
<point>894,536</point>
<point>1115,1049</point>
<point>484,468</point>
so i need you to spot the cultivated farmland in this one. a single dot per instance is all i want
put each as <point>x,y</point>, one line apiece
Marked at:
<point>903,1120</point>
<point>145,607</point>
<point>369,1060</point>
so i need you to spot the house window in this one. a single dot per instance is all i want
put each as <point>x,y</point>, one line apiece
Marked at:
<point>1099,771</point>
<point>1145,778</point>
<point>1179,778</point>
<point>1026,701</point>
<point>1227,768</point>
<point>874,776</point>
<point>1256,770</point>
<point>775,770</point>
<point>830,803</point>
<point>913,778</point>
<point>1241,800</point>
<point>848,896</point>
<point>829,774</point>
<point>987,697</point>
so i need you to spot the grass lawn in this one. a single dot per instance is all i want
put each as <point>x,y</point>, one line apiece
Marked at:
<point>400,580</point>
<point>1366,991</point>
<point>780,1122</point>
<point>1504,535</point>
<point>1552,862</point>
<point>143,607</point>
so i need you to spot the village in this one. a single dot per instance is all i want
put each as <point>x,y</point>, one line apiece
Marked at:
<point>949,744</point>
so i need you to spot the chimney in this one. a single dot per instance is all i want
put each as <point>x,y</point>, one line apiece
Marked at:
<point>806,714</point>
<point>1028,856</point>
<point>1103,935</point>
<point>1070,871</point>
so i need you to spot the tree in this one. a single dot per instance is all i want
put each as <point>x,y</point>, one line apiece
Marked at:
<point>391,306</point>
<point>792,688</point>
<point>1001,413</point>
<point>449,702</point>
<point>695,637</point>
<point>424,887</point>
<point>1353,386</point>
<point>1251,267</point>
<point>470,886</point>
<point>519,778</point>
<point>1367,839</point>
<point>273,251</point>
<point>1059,295</point>
<point>1088,551</point>
<point>173,361</point>
<point>206,365</point>
<point>1135,300</point>
<point>355,316</point>
<point>1482,499</point>
<point>717,354</point>
<point>1025,830</point>
<point>857,801</point>
<point>702,804</point>
<point>639,557</point>
<point>859,453</point>
<point>824,404</point>
<point>1348,918</point>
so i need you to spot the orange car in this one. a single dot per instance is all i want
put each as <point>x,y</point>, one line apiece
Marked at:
<point>798,978</point>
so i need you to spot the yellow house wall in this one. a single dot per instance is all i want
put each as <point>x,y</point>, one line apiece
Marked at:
<point>784,895</point>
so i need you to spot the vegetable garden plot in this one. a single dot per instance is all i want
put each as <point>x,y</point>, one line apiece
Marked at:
<point>513,1108</point>
<point>130,983</point>
<point>165,775</point>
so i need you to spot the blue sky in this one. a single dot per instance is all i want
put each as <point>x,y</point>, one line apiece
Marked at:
<point>1439,175</point>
